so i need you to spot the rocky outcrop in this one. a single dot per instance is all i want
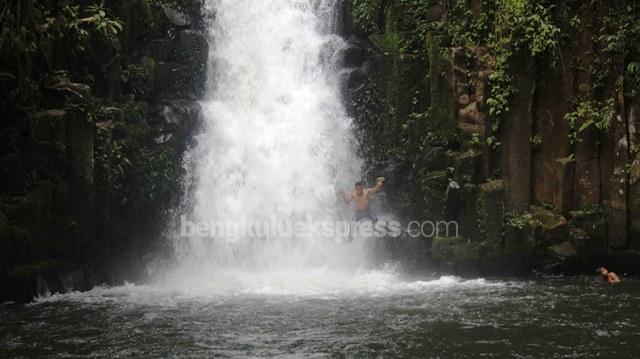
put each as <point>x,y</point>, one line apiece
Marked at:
<point>489,124</point>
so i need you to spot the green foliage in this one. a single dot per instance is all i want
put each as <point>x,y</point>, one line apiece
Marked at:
<point>516,220</point>
<point>590,114</point>
<point>365,15</point>
<point>493,142</point>
<point>102,21</point>
<point>632,77</point>
<point>134,170</point>
<point>27,45</point>
<point>505,27</point>
<point>138,78</point>
<point>76,25</point>
<point>520,25</point>
<point>536,141</point>
<point>80,22</point>
<point>466,27</point>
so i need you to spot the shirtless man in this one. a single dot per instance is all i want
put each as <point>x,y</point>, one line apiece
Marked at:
<point>362,196</point>
<point>609,277</point>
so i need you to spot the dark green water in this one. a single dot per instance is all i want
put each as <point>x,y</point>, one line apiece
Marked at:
<point>442,318</point>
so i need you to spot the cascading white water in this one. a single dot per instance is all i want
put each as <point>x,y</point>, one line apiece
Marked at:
<point>276,143</point>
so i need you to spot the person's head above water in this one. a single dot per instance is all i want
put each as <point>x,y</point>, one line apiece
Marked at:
<point>603,271</point>
<point>359,187</point>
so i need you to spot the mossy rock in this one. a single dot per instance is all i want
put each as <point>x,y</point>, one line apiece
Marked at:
<point>563,250</point>
<point>467,166</point>
<point>591,220</point>
<point>457,254</point>
<point>554,225</point>
<point>442,247</point>
<point>525,240</point>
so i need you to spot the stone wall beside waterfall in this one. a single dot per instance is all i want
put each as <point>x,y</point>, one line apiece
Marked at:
<point>91,166</point>
<point>550,185</point>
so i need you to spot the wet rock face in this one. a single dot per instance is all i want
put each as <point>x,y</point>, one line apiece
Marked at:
<point>92,169</point>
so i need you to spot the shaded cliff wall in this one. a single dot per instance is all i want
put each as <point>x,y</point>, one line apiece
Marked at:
<point>515,118</point>
<point>97,106</point>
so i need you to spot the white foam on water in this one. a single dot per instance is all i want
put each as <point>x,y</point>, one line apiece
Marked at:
<point>311,284</point>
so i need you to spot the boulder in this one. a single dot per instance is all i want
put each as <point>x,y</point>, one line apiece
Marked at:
<point>563,258</point>
<point>554,226</point>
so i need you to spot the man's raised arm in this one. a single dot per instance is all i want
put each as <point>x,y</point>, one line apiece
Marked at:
<point>378,186</point>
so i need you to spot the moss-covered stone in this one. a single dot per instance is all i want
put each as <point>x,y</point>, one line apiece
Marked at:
<point>454,249</point>
<point>467,166</point>
<point>457,254</point>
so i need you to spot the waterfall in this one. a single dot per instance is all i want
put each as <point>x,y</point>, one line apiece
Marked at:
<point>276,143</point>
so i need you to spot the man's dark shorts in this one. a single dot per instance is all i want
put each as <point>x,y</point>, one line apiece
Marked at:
<point>366,214</point>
